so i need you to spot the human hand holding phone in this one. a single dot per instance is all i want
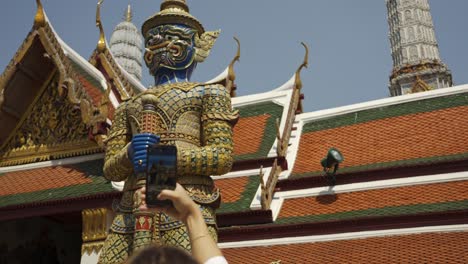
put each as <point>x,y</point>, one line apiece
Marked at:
<point>188,212</point>
<point>161,174</point>
<point>183,205</point>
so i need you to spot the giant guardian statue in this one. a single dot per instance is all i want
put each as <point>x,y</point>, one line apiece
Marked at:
<point>196,118</point>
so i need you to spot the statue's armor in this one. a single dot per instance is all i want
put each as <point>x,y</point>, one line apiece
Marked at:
<point>196,118</point>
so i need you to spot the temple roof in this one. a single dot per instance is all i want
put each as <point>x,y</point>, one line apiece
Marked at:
<point>59,186</point>
<point>405,200</point>
<point>403,168</point>
<point>255,132</point>
<point>50,70</point>
<point>52,183</point>
<point>414,247</point>
<point>387,133</point>
<point>237,193</point>
<point>123,84</point>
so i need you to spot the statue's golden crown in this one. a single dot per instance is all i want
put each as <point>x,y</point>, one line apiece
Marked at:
<point>172,12</point>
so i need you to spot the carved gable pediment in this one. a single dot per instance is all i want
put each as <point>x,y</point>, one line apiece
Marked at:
<point>51,128</point>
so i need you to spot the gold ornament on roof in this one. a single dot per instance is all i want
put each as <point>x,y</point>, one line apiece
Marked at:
<point>101,46</point>
<point>172,12</point>
<point>420,86</point>
<point>39,18</point>
<point>304,64</point>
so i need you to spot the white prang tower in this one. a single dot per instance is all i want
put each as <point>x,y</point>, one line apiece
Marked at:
<point>417,65</point>
<point>126,44</point>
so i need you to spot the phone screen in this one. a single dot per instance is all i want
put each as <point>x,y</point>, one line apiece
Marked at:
<point>161,173</point>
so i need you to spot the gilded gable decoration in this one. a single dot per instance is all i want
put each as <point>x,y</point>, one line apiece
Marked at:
<point>51,124</point>
<point>53,129</point>
<point>420,86</point>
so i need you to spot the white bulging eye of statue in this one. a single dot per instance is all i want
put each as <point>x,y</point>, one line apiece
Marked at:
<point>169,37</point>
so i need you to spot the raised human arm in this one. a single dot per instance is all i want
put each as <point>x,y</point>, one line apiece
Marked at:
<point>214,157</point>
<point>188,212</point>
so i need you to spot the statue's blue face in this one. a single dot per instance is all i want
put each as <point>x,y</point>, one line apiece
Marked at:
<point>170,47</point>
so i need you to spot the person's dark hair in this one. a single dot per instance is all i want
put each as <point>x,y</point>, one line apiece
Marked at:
<point>161,255</point>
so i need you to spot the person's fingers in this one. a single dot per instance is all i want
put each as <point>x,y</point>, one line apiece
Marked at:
<point>167,195</point>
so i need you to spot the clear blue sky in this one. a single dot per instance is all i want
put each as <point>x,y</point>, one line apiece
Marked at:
<point>349,49</point>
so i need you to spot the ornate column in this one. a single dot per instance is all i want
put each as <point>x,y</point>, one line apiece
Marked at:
<point>96,222</point>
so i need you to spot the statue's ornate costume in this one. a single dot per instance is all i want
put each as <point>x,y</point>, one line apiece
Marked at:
<point>196,118</point>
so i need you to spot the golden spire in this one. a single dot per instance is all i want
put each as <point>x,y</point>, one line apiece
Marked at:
<point>101,46</point>
<point>172,12</point>
<point>128,14</point>
<point>39,18</point>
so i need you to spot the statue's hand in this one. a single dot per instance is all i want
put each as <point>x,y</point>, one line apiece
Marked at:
<point>138,150</point>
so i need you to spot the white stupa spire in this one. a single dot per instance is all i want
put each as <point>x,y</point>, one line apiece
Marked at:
<point>414,48</point>
<point>126,44</point>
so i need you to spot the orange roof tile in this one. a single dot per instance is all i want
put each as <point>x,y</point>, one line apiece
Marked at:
<point>92,91</point>
<point>248,134</point>
<point>398,138</point>
<point>40,179</point>
<point>345,202</point>
<point>418,248</point>
<point>232,188</point>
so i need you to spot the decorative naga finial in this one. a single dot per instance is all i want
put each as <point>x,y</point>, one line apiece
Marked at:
<point>172,12</point>
<point>305,63</point>
<point>101,46</point>
<point>128,14</point>
<point>231,74</point>
<point>39,18</point>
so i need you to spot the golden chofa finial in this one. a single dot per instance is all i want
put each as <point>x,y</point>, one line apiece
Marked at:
<point>39,18</point>
<point>128,14</point>
<point>101,46</point>
<point>305,63</point>
<point>231,74</point>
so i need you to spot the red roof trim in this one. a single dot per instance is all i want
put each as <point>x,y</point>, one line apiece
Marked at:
<point>245,218</point>
<point>58,206</point>
<point>270,231</point>
<point>313,181</point>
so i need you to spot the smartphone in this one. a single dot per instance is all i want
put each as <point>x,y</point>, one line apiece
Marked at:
<point>161,173</point>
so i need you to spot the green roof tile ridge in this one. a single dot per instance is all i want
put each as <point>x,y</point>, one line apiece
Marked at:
<point>389,164</point>
<point>98,185</point>
<point>92,167</point>
<point>245,199</point>
<point>377,212</point>
<point>421,106</point>
<point>275,111</point>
